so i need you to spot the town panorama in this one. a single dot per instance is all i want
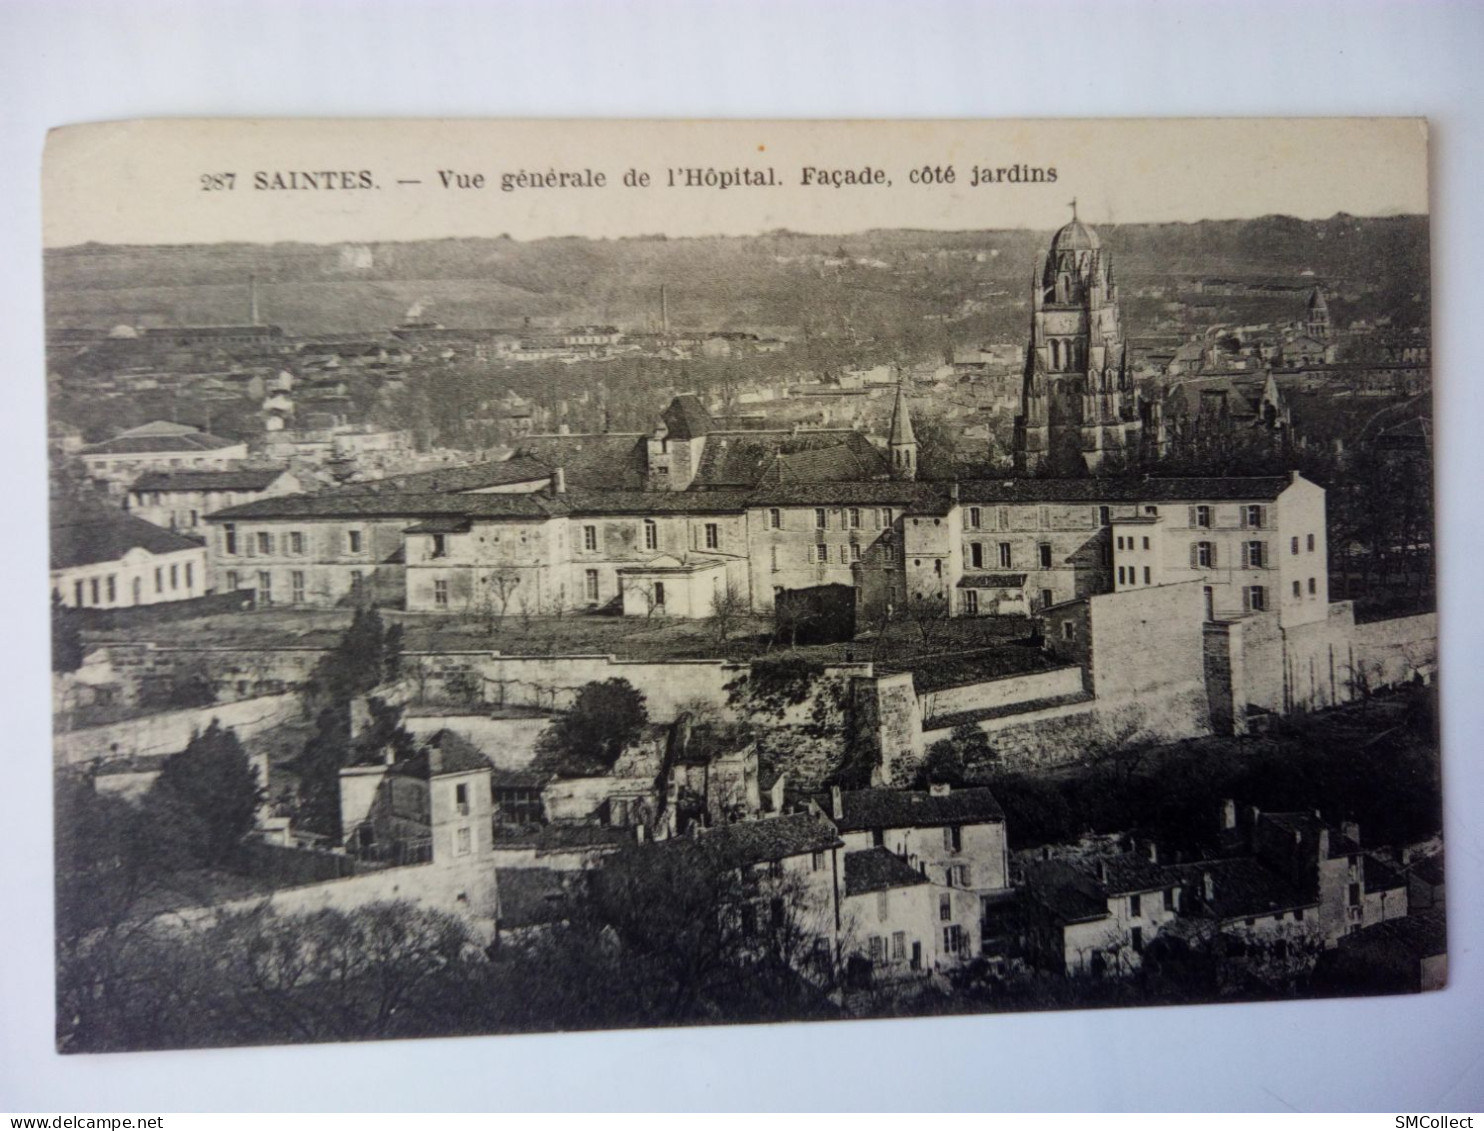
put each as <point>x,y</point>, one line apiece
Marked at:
<point>485,635</point>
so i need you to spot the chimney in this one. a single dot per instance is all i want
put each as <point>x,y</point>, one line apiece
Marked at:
<point>837,804</point>
<point>664,311</point>
<point>1152,851</point>
<point>953,491</point>
<point>1228,814</point>
<point>1102,870</point>
<point>559,481</point>
<point>1351,830</point>
<point>252,290</point>
<point>939,789</point>
<point>1208,887</point>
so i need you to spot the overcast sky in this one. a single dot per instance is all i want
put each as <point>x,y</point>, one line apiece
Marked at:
<point>143,182</point>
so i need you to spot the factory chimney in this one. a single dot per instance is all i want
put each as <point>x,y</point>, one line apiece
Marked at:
<point>252,290</point>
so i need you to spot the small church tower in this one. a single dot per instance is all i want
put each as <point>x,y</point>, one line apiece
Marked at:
<point>902,440</point>
<point>1318,327</point>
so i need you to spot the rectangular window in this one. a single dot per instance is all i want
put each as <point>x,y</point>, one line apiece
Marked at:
<point>1296,590</point>
<point>775,519</point>
<point>855,518</point>
<point>974,518</point>
<point>1252,515</point>
<point>883,905</point>
<point>77,601</point>
<point>265,542</point>
<point>713,536</point>
<point>229,538</point>
<point>296,587</point>
<point>232,580</point>
<point>1257,598</point>
<point>591,582</point>
<point>296,543</point>
<point>93,589</point>
<point>855,551</point>
<point>589,538</point>
<point>1147,575</point>
<point>1293,544</point>
<point>265,587</point>
<point>953,939</point>
<point>1005,555</point>
<point>463,842</point>
<point>440,594</point>
<point>659,594</point>
<point>899,946</point>
<point>1120,575</point>
<point>971,602</point>
<point>1048,598</point>
<point>159,580</point>
<point>1313,588</point>
<point>461,798</point>
<point>1354,895</point>
<point>945,907</point>
<point>817,863</point>
<point>353,540</point>
<point>1069,630</point>
<point>976,555</point>
<point>1169,899</point>
<point>1256,553</point>
<point>878,948</point>
<point>1120,542</point>
<point>822,554</point>
<point>1044,550</point>
<point>821,520</point>
<point>889,555</point>
<point>953,838</point>
<point>1135,906</point>
<point>1203,517</point>
<point>113,589</point>
<point>1203,555</point>
<point>1146,543</point>
<point>1136,940</point>
<point>651,535</point>
<point>1002,517</point>
<point>1105,515</point>
<point>1311,543</point>
<point>190,576</point>
<point>175,577</point>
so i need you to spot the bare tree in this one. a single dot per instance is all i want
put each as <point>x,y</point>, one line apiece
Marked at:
<point>647,595</point>
<point>728,608</point>
<point>927,611</point>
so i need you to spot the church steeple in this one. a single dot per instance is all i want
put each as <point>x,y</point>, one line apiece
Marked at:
<point>902,440</point>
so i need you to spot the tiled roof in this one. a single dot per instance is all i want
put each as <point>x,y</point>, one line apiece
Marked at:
<point>992,581</point>
<point>244,479</point>
<point>762,841</point>
<point>1423,935</point>
<point>596,503</point>
<point>904,809</point>
<point>1378,875</point>
<point>1429,869</point>
<point>1242,888</point>
<point>601,461</point>
<point>686,418</point>
<point>876,869</point>
<point>150,444</point>
<point>1095,490</point>
<point>854,492</point>
<point>341,504</point>
<point>1130,872</point>
<point>518,779</point>
<point>1067,892</point>
<point>106,536</point>
<point>445,752</point>
<point>469,477</point>
<point>750,457</point>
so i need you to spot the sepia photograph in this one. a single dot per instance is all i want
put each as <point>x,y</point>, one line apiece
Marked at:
<point>529,577</point>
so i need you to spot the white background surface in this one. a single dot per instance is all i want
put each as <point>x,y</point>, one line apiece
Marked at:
<point>66,62</point>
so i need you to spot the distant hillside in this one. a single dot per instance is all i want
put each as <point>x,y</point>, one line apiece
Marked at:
<point>824,284</point>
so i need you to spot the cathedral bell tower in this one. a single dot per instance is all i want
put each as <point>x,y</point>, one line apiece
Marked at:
<point>1078,404</point>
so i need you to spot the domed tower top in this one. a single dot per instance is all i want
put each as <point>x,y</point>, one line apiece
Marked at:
<point>1075,236</point>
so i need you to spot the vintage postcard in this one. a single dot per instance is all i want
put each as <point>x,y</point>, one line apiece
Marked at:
<point>543,575</point>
